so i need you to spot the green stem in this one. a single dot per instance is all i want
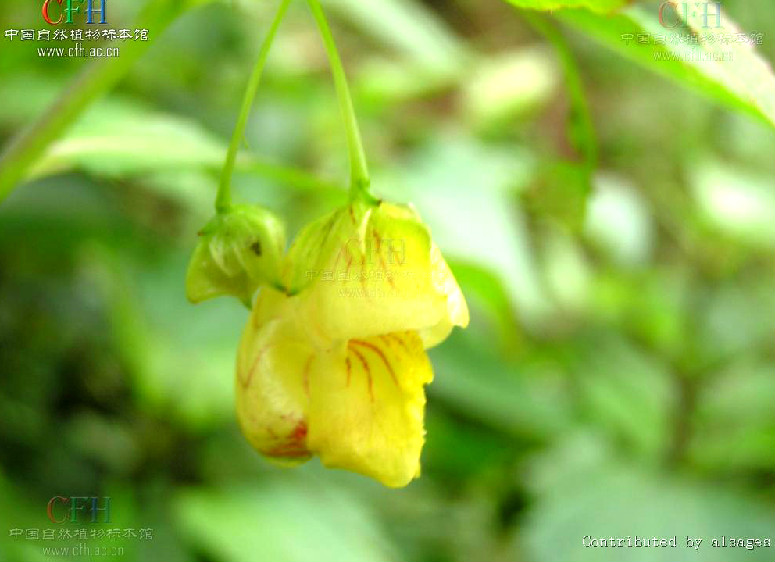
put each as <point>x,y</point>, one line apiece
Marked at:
<point>94,81</point>
<point>359,171</point>
<point>582,129</point>
<point>223,199</point>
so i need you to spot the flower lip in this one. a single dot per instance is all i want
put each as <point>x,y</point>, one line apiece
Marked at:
<point>356,404</point>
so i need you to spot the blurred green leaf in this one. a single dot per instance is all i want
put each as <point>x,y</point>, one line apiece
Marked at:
<point>734,427</point>
<point>89,85</point>
<point>119,139</point>
<point>738,320</point>
<point>505,86</point>
<point>580,130</point>
<point>122,140</point>
<point>652,305</point>
<point>560,192</point>
<point>619,221</point>
<point>186,375</point>
<point>423,37</point>
<point>281,521</point>
<point>587,493</point>
<point>735,201</point>
<point>486,292</point>
<point>628,394</point>
<point>566,271</point>
<point>17,512</point>
<point>530,403</point>
<point>745,82</point>
<point>384,82</point>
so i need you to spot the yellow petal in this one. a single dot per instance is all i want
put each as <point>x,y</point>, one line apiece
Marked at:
<point>318,241</point>
<point>367,405</point>
<point>272,383</point>
<point>457,309</point>
<point>374,274</point>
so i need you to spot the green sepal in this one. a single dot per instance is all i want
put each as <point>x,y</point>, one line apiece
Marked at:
<point>238,251</point>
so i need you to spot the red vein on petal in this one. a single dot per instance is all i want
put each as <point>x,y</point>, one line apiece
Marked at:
<point>382,260</point>
<point>349,369</point>
<point>400,341</point>
<point>288,450</point>
<point>300,431</point>
<point>327,227</point>
<point>293,444</point>
<point>253,366</point>
<point>350,260</point>
<point>378,351</point>
<point>363,279</point>
<point>305,376</point>
<point>366,368</point>
<point>345,249</point>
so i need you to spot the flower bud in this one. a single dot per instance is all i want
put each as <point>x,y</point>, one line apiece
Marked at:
<point>238,251</point>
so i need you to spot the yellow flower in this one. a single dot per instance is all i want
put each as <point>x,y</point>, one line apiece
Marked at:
<point>338,369</point>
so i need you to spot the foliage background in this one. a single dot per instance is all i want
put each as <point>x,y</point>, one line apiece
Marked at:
<point>617,377</point>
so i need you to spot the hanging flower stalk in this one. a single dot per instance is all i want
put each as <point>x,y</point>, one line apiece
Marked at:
<point>333,359</point>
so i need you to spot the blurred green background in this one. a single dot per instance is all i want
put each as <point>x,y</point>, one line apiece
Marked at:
<point>612,227</point>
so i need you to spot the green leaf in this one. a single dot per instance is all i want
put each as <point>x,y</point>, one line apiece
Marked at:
<point>285,521</point>
<point>520,401</point>
<point>594,5</point>
<point>181,368</point>
<point>85,88</point>
<point>118,138</point>
<point>627,394</point>
<point>735,201</point>
<point>508,85</point>
<point>423,37</point>
<point>746,82</point>
<point>561,191</point>
<point>486,292</point>
<point>583,491</point>
<point>735,429</point>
